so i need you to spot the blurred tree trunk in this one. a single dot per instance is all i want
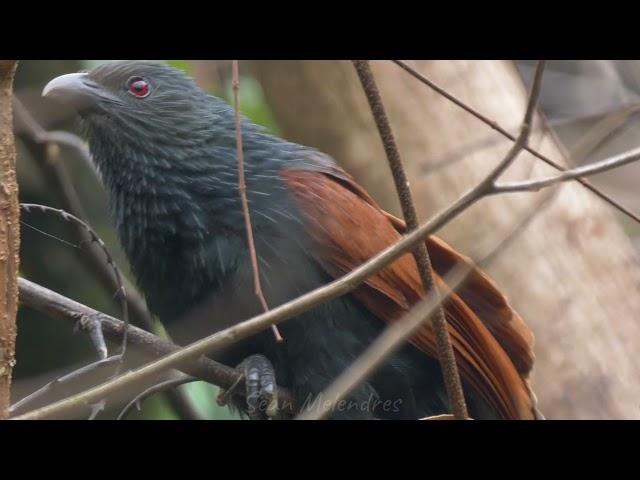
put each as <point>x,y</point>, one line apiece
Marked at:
<point>572,274</point>
<point>9,237</point>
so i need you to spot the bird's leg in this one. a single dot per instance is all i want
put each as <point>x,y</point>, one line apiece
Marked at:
<point>260,385</point>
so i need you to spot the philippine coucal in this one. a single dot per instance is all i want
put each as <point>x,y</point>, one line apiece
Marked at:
<point>166,153</point>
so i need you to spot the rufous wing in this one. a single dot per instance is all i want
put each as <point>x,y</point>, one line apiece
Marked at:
<point>492,344</point>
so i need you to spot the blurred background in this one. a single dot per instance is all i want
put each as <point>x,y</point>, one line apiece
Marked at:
<point>590,108</point>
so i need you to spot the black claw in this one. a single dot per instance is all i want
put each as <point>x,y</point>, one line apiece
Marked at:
<point>260,383</point>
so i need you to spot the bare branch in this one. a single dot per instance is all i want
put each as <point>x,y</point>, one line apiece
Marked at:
<point>245,204</point>
<point>495,126</point>
<point>522,142</point>
<point>121,292</point>
<point>58,306</point>
<point>584,171</point>
<point>65,381</point>
<point>421,255</point>
<point>160,387</point>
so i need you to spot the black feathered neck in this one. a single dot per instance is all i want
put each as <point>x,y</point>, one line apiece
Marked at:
<point>170,168</point>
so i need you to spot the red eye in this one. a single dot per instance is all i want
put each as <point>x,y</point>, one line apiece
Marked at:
<point>138,87</point>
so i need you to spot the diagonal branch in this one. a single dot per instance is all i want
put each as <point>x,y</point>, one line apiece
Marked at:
<point>58,306</point>
<point>382,347</point>
<point>584,171</point>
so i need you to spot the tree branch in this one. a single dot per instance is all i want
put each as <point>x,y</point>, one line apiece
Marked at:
<point>58,306</point>
<point>574,174</point>
<point>443,342</point>
<point>9,236</point>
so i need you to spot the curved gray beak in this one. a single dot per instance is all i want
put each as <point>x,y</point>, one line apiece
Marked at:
<point>76,89</point>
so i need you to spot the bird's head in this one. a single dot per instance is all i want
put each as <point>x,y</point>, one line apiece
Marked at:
<point>146,104</point>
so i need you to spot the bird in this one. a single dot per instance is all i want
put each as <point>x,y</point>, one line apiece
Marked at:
<point>165,151</point>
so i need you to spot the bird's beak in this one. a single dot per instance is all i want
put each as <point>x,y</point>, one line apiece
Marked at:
<point>78,90</point>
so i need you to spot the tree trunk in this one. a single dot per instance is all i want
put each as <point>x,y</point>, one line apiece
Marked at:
<point>572,274</point>
<point>9,237</point>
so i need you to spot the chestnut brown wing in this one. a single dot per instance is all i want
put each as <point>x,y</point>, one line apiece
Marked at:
<point>348,228</point>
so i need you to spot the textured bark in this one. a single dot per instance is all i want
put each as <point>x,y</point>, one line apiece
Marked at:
<point>572,274</point>
<point>9,237</point>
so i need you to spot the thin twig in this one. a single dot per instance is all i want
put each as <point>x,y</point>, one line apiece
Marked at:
<point>604,128</point>
<point>121,292</point>
<point>495,126</point>
<point>66,381</point>
<point>586,170</point>
<point>243,196</point>
<point>443,342</point>
<point>160,387</point>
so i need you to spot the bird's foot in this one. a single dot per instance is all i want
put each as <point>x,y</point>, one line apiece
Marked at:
<point>260,385</point>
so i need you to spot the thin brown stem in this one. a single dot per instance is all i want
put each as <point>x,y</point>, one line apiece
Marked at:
<point>243,197</point>
<point>445,352</point>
